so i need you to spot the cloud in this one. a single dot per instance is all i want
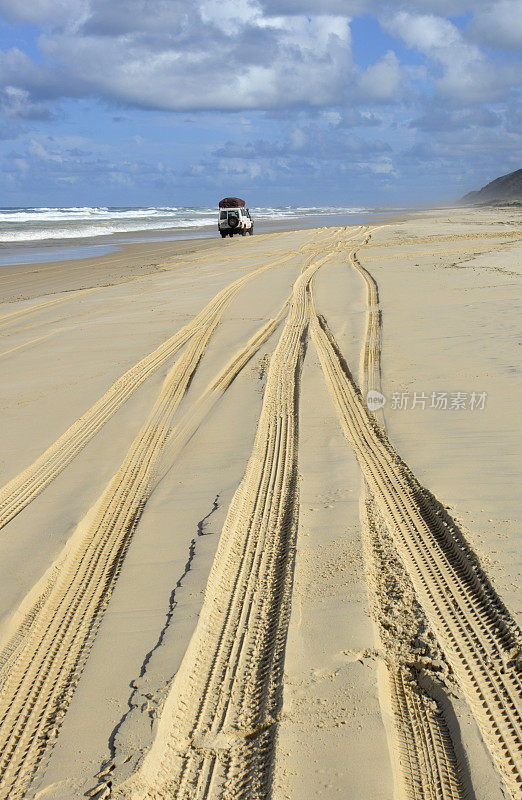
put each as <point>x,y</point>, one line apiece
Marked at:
<point>17,108</point>
<point>272,89</point>
<point>136,17</point>
<point>16,105</point>
<point>248,54</point>
<point>345,8</point>
<point>56,160</point>
<point>38,151</point>
<point>499,24</point>
<point>353,117</point>
<point>310,151</point>
<point>354,8</point>
<point>175,56</point>
<point>40,12</point>
<point>309,141</point>
<point>383,81</point>
<point>464,73</point>
<point>437,117</point>
<point>477,145</point>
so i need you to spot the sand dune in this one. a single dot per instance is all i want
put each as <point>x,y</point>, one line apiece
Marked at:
<point>155,599</point>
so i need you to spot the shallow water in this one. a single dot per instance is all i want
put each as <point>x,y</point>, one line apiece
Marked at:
<point>41,255</point>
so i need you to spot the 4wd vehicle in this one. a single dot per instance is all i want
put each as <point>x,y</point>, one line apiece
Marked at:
<point>234,217</point>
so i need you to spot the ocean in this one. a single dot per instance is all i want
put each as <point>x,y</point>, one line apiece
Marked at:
<point>32,225</point>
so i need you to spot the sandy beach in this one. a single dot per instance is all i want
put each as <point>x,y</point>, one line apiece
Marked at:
<point>225,572</point>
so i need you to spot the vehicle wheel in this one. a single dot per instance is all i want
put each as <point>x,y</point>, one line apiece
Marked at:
<point>251,231</point>
<point>243,233</point>
<point>231,235</point>
<point>223,235</point>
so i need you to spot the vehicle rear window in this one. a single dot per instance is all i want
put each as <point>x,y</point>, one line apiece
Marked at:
<point>222,215</point>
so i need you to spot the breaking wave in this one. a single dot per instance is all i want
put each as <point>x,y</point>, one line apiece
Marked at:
<point>42,224</point>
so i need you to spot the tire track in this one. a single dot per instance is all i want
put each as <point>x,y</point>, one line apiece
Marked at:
<point>370,365</point>
<point>22,489</point>
<point>480,640</point>
<point>69,317</point>
<point>516,235</point>
<point>14,316</point>
<point>216,733</point>
<point>424,757</point>
<point>45,657</point>
<point>46,666</point>
<point>425,761</point>
<point>175,440</point>
<point>30,342</point>
<point>42,662</point>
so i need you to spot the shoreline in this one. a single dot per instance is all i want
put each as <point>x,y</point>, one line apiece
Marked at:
<point>44,251</point>
<point>26,280</point>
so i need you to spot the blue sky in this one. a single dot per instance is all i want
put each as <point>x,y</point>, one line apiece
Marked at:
<point>160,102</point>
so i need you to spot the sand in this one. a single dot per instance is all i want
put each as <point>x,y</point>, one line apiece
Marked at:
<point>224,576</point>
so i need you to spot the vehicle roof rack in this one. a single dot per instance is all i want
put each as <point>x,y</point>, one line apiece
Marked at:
<point>231,202</point>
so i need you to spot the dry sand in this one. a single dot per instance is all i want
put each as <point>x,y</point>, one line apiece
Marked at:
<point>219,577</point>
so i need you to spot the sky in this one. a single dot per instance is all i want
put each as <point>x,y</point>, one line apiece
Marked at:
<point>164,102</point>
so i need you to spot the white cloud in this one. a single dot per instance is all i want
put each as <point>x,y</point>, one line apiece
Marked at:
<point>383,81</point>
<point>326,115</point>
<point>248,54</point>
<point>230,15</point>
<point>429,34</point>
<point>167,55</point>
<point>465,73</point>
